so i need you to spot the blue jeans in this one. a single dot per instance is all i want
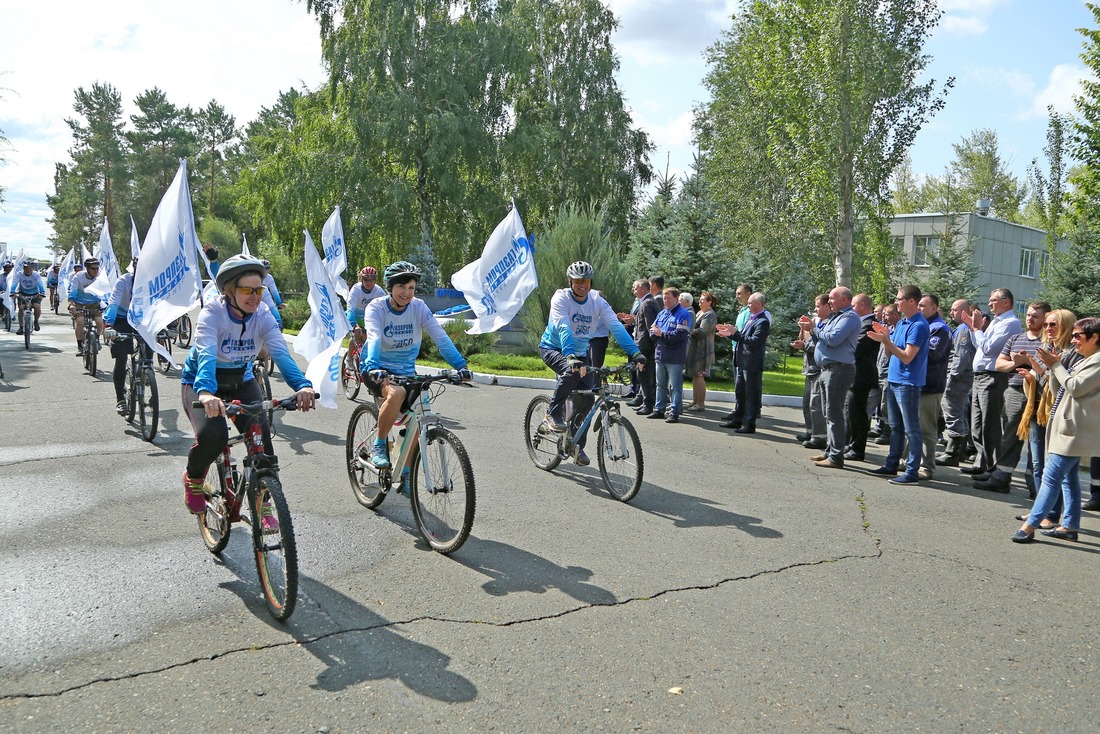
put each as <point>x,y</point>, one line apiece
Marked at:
<point>903,413</point>
<point>1060,476</point>
<point>1037,440</point>
<point>670,375</point>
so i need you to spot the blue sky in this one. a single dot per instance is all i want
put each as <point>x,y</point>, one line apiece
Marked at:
<point>1010,58</point>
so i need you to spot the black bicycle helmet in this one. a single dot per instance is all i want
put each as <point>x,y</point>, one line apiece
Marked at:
<point>402,271</point>
<point>237,266</point>
<point>579,269</point>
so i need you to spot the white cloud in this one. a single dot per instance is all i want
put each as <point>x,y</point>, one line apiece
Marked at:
<point>963,26</point>
<point>657,31</point>
<point>1065,82</point>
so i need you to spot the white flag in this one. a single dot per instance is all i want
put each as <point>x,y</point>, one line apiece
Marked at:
<point>244,247</point>
<point>65,274</point>
<point>336,254</point>
<point>323,333</point>
<point>496,284</point>
<point>135,243</point>
<point>108,266</point>
<point>167,282</point>
<point>84,253</point>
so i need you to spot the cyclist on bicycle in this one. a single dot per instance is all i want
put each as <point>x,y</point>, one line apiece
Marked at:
<point>121,349</point>
<point>575,314</point>
<point>79,298</point>
<point>394,327</point>
<point>230,331</point>
<point>362,293</point>
<point>52,278</point>
<point>29,283</point>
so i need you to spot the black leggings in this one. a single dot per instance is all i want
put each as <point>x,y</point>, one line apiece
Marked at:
<point>121,351</point>
<point>212,434</point>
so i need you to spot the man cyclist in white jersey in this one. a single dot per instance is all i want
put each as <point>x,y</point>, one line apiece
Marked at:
<point>362,293</point>
<point>394,327</point>
<point>575,315</point>
<point>230,331</point>
<point>80,298</point>
<point>28,283</point>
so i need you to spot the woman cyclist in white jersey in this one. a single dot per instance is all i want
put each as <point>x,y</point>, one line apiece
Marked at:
<point>394,325</point>
<point>230,331</point>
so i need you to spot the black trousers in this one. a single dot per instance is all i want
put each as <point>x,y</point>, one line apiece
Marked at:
<point>212,434</point>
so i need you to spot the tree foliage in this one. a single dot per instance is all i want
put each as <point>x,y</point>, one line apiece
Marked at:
<point>813,106</point>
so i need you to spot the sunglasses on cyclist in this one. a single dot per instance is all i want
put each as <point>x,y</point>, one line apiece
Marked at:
<point>247,290</point>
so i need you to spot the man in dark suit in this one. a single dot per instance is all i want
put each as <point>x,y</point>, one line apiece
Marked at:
<point>866,380</point>
<point>639,289</point>
<point>648,309</point>
<point>751,345</point>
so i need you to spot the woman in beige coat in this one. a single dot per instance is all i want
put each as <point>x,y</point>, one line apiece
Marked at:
<point>1072,432</point>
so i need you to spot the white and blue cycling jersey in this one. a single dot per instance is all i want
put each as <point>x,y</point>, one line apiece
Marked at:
<point>27,285</point>
<point>51,279</point>
<point>572,323</point>
<point>272,298</point>
<point>225,342</point>
<point>77,292</point>
<point>393,337</point>
<point>358,299</point>
<point>120,298</point>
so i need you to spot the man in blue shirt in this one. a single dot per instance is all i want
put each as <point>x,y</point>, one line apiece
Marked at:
<point>908,349</point>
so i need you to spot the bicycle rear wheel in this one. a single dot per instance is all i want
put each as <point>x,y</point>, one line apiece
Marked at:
<point>366,484</point>
<point>443,503</point>
<point>165,342</point>
<point>55,300</point>
<point>620,458</point>
<point>149,404</point>
<point>214,524</point>
<point>542,443</point>
<point>276,552</point>
<point>91,351</point>
<point>183,334</point>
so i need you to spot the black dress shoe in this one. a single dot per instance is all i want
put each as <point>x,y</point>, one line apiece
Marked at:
<point>1060,534</point>
<point>656,414</point>
<point>853,456</point>
<point>972,470</point>
<point>815,443</point>
<point>882,441</point>
<point>644,410</point>
<point>635,403</point>
<point>1092,505</point>
<point>883,472</point>
<point>731,423</point>
<point>745,429</point>
<point>802,437</point>
<point>1022,537</point>
<point>672,418</point>
<point>983,477</point>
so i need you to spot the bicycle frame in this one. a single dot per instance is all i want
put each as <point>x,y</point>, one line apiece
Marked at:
<point>603,402</point>
<point>254,460</point>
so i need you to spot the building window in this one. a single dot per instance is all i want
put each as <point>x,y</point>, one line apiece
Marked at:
<point>1029,263</point>
<point>923,246</point>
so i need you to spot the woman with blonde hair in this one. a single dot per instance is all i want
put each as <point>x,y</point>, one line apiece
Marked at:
<point>700,357</point>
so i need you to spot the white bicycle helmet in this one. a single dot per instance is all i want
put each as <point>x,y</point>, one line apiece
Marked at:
<point>237,266</point>
<point>579,269</point>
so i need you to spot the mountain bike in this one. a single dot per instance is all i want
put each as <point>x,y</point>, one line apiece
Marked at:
<point>26,318</point>
<point>432,467</point>
<point>618,449</point>
<point>55,299</point>
<point>142,400</point>
<point>91,341</point>
<point>266,511</point>
<point>350,379</point>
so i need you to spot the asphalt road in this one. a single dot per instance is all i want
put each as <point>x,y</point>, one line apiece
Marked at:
<point>742,590</point>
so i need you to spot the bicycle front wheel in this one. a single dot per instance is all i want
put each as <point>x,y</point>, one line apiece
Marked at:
<point>365,482</point>
<point>131,391</point>
<point>148,404</point>
<point>28,327</point>
<point>55,301</point>
<point>273,539</point>
<point>442,489</point>
<point>183,334</point>
<point>542,443</point>
<point>350,380</point>
<point>620,458</point>
<point>91,352</point>
<point>214,523</point>
<point>7,319</point>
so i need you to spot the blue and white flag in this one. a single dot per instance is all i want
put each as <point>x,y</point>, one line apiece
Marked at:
<point>496,284</point>
<point>135,243</point>
<point>169,282</point>
<point>108,266</point>
<point>321,337</point>
<point>336,254</point>
<point>65,274</point>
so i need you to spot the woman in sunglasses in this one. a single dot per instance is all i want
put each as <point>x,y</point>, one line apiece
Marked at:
<point>231,330</point>
<point>1072,430</point>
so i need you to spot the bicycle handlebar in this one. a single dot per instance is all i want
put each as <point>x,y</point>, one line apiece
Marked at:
<point>236,406</point>
<point>450,376</point>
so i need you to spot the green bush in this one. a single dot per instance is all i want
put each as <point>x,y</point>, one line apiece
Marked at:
<point>467,344</point>
<point>295,312</point>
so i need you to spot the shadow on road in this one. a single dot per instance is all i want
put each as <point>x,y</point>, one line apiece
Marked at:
<point>354,644</point>
<point>512,570</point>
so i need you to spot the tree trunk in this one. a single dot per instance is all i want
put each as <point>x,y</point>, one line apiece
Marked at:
<point>210,204</point>
<point>427,241</point>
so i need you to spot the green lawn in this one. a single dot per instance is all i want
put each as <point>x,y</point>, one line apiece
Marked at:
<point>784,380</point>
